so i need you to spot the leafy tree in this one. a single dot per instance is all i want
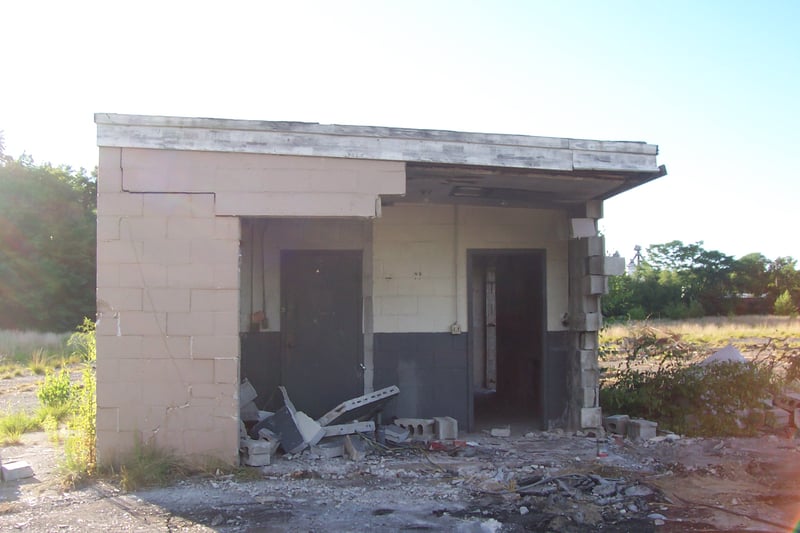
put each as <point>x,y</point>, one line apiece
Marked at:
<point>749,274</point>
<point>784,305</point>
<point>47,245</point>
<point>783,276</point>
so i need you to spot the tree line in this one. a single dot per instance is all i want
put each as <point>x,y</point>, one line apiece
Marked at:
<point>47,245</point>
<point>676,280</point>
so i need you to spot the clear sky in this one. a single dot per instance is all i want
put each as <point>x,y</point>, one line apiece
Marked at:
<point>715,84</point>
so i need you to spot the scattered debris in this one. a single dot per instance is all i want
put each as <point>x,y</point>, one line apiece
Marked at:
<point>501,432</point>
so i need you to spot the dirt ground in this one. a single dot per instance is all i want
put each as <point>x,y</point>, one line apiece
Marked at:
<point>531,481</point>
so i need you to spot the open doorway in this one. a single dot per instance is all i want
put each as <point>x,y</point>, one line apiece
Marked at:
<point>507,322</point>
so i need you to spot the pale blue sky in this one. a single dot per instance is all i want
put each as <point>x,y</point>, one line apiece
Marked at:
<point>714,84</point>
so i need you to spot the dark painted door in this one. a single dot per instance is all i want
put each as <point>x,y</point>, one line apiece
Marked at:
<point>321,328</point>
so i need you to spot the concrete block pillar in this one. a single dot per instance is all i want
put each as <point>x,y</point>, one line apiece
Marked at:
<point>588,271</point>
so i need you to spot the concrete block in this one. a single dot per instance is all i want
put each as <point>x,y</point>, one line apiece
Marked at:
<point>787,400</point>
<point>595,285</point>
<point>16,470</point>
<point>355,447</point>
<point>588,341</point>
<point>501,432</point>
<point>249,412</point>
<point>639,429</point>
<point>582,228</point>
<point>591,417</point>
<point>258,447</point>
<point>616,424</point>
<point>247,393</point>
<point>445,427</point>
<point>605,265</point>
<point>262,459</point>
<point>588,322</point>
<point>395,434</point>
<point>594,209</point>
<point>418,428</point>
<point>588,359</point>
<point>613,266</point>
<point>777,418</point>
<point>329,448</point>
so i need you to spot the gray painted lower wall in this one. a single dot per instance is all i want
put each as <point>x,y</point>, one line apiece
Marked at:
<point>556,378</point>
<point>261,365</point>
<point>431,371</point>
<point>429,368</point>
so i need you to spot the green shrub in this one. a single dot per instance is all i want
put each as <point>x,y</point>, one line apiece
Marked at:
<point>56,390</point>
<point>658,382</point>
<point>80,461</point>
<point>784,306</point>
<point>82,342</point>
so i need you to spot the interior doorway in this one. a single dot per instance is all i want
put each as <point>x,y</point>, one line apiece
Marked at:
<point>507,321</point>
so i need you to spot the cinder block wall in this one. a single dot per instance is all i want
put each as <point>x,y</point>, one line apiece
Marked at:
<point>167,335</point>
<point>420,283</point>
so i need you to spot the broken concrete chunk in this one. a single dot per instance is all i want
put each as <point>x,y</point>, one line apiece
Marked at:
<point>777,418</point>
<point>639,429</point>
<point>728,354</point>
<point>347,429</point>
<point>249,412</point>
<point>360,408</point>
<point>16,470</point>
<point>263,459</point>
<point>445,427</point>
<point>355,447</point>
<point>395,434</point>
<point>258,447</point>
<point>788,401</point>
<point>329,448</point>
<point>616,424</point>
<point>247,393</point>
<point>501,432</point>
<point>311,431</point>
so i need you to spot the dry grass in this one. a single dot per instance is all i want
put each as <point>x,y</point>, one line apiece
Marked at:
<point>715,331</point>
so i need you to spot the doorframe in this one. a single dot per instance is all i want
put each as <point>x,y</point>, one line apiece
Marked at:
<point>541,255</point>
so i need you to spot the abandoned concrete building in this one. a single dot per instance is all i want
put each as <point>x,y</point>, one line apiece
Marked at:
<point>465,268</point>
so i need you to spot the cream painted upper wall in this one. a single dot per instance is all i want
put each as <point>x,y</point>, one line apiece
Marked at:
<point>420,283</point>
<point>266,185</point>
<point>275,234</point>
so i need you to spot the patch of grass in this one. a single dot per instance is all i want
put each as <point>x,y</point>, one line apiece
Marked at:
<point>17,346</point>
<point>150,466</point>
<point>10,371</point>
<point>38,362</point>
<point>13,425</point>
<point>716,331</point>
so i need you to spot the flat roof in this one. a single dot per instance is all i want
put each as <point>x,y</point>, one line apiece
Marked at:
<point>370,142</point>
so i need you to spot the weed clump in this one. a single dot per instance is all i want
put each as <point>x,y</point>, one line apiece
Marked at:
<point>660,379</point>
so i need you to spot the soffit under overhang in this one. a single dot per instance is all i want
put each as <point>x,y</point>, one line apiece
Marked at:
<point>514,187</point>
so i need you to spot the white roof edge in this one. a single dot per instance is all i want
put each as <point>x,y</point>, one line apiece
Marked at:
<point>372,142</point>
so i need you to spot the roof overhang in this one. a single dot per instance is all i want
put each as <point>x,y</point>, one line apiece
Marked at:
<point>441,166</point>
